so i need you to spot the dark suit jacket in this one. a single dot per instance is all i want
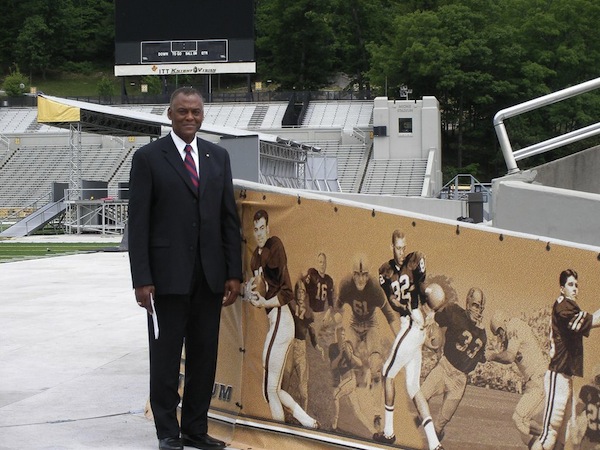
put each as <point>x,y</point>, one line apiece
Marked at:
<point>169,219</point>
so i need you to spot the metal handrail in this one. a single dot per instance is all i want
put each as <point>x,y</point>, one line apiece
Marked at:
<point>19,213</point>
<point>451,188</point>
<point>510,156</point>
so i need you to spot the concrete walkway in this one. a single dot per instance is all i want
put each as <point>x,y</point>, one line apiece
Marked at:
<point>73,354</point>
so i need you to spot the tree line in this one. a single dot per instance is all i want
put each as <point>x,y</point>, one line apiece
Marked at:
<point>475,56</point>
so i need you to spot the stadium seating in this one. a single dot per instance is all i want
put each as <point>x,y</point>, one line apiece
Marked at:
<point>27,171</point>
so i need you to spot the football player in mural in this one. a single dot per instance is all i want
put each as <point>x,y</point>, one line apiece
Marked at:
<point>270,288</point>
<point>521,347</point>
<point>343,362</point>
<point>464,347</point>
<point>359,298</point>
<point>587,410</point>
<point>403,281</point>
<point>569,325</point>
<point>303,328</point>
<point>320,290</point>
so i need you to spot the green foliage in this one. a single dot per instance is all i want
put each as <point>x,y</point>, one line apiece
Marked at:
<point>295,43</point>
<point>450,172</point>
<point>154,84</point>
<point>480,56</point>
<point>15,84</point>
<point>82,67</point>
<point>32,44</point>
<point>41,36</point>
<point>106,88</point>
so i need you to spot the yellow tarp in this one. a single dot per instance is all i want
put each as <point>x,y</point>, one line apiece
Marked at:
<point>50,111</point>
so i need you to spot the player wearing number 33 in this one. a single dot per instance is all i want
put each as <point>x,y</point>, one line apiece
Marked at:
<point>464,348</point>
<point>403,281</point>
<point>569,325</point>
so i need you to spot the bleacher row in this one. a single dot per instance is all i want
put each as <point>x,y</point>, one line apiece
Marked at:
<point>21,120</point>
<point>351,162</point>
<point>340,114</point>
<point>27,172</point>
<point>27,176</point>
<point>267,116</point>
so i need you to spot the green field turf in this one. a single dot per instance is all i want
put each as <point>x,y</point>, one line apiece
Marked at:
<point>10,251</point>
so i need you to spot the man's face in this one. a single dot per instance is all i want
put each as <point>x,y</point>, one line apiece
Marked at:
<point>570,289</point>
<point>300,293</point>
<point>186,115</point>
<point>261,232</point>
<point>360,279</point>
<point>475,306</point>
<point>321,264</point>
<point>399,248</point>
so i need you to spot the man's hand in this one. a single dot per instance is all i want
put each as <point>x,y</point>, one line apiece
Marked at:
<point>232,291</point>
<point>142,296</point>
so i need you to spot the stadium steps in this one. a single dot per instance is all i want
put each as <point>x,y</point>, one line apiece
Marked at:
<point>395,177</point>
<point>258,115</point>
<point>35,220</point>
<point>351,162</point>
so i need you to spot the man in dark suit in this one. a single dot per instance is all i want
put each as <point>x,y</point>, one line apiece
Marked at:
<point>185,257</point>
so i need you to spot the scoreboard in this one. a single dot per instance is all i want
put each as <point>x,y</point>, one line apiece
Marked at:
<point>184,51</point>
<point>158,37</point>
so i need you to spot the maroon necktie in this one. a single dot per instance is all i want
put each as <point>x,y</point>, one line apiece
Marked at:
<point>191,166</point>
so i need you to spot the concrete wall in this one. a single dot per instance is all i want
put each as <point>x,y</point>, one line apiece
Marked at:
<point>244,154</point>
<point>445,209</point>
<point>578,172</point>
<point>546,211</point>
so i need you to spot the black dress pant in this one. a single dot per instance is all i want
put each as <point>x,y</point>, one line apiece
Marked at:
<point>191,320</point>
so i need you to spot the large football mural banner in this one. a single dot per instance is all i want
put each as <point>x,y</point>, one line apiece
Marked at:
<point>374,328</point>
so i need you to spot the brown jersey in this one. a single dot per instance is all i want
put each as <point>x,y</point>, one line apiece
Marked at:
<point>319,289</point>
<point>271,262</point>
<point>569,325</point>
<point>465,342</point>
<point>402,284</point>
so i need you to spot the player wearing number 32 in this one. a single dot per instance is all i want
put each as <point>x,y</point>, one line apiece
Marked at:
<point>403,281</point>
<point>185,251</point>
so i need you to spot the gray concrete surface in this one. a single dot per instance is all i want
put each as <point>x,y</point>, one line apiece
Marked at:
<point>73,354</point>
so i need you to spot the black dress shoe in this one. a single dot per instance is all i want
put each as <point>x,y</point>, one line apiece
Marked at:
<point>202,441</point>
<point>171,443</point>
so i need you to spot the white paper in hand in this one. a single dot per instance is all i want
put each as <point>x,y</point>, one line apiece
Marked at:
<point>154,317</point>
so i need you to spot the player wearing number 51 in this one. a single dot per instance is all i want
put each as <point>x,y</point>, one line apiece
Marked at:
<point>185,250</point>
